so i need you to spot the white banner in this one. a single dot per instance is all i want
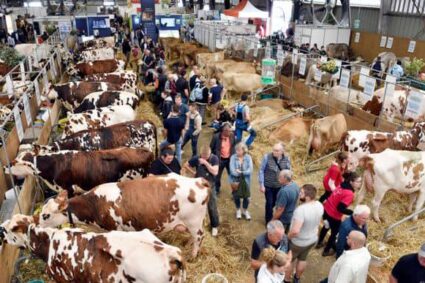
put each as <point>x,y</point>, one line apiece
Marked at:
<point>364,72</point>
<point>357,37</point>
<point>27,109</point>
<point>414,104</point>
<point>22,69</point>
<point>9,85</point>
<point>53,66</point>
<point>369,88</point>
<point>18,123</point>
<point>294,56</point>
<point>303,65</point>
<point>345,78</point>
<point>256,51</point>
<point>412,45</point>
<point>30,63</point>
<point>268,52</point>
<point>280,57</point>
<point>390,82</point>
<point>390,42</point>
<point>45,80</point>
<point>383,41</point>
<point>318,75</point>
<point>37,92</point>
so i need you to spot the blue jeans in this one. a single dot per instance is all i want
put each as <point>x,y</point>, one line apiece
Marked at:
<point>178,146</point>
<point>237,200</point>
<point>212,208</point>
<point>240,128</point>
<point>271,196</point>
<point>224,164</point>
<point>194,140</point>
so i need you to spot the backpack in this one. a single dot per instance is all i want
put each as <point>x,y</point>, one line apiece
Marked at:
<point>197,93</point>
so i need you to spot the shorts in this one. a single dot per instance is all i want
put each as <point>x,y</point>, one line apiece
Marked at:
<point>300,253</point>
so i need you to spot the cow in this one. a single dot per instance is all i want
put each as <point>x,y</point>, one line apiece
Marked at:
<point>326,79</point>
<point>19,87</point>
<point>339,51</point>
<point>127,79</point>
<point>210,69</point>
<point>99,43</point>
<point>158,203</point>
<point>402,171</point>
<point>204,59</point>
<point>138,133</point>
<point>394,105</point>
<point>107,98</point>
<point>373,106</point>
<point>388,59</point>
<point>325,132</point>
<point>346,95</point>
<point>362,143</point>
<point>96,67</point>
<point>71,94</point>
<point>188,55</point>
<point>72,255</point>
<point>241,83</point>
<point>76,171</point>
<point>95,54</point>
<point>42,51</point>
<point>234,67</point>
<point>292,130</point>
<point>98,118</point>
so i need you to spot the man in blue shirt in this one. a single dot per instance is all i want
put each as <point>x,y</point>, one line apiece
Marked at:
<point>183,108</point>
<point>356,222</point>
<point>397,70</point>
<point>287,199</point>
<point>214,96</point>
<point>173,130</point>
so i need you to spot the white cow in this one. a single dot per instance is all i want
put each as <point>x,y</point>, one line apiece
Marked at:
<point>98,54</point>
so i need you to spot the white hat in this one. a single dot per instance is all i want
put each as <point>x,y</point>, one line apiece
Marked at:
<point>422,251</point>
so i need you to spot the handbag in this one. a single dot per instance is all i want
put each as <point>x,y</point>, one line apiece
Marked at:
<point>235,185</point>
<point>243,191</point>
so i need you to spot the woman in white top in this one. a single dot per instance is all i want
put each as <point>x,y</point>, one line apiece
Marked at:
<point>273,270</point>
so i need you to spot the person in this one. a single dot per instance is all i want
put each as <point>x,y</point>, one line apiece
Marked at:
<point>335,206</point>
<point>44,36</point>
<point>166,105</point>
<point>193,127</point>
<point>322,51</point>
<point>223,146</point>
<point>241,168</point>
<point>303,230</point>
<point>353,265</point>
<point>170,85</point>
<point>135,56</point>
<point>287,198</point>
<point>242,123</point>
<point>166,163</point>
<point>215,96</point>
<point>333,177</point>
<point>10,41</point>
<point>173,131</point>
<point>273,270</point>
<point>274,238</point>
<point>356,222</point>
<point>410,268</point>
<point>377,68</point>
<point>126,49</point>
<point>268,176</point>
<point>222,116</point>
<point>159,84</point>
<point>397,70</point>
<point>200,95</point>
<point>194,77</point>
<point>148,62</point>
<point>183,108</point>
<point>207,167</point>
<point>182,87</point>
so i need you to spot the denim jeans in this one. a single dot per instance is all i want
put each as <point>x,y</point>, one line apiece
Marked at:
<point>178,146</point>
<point>224,164</point>
<point>212,208</point>
<point>239,133</point>
<point>271,196</point>
<point>237,200</point>
<point>189,136</point>
<point>201,109</point>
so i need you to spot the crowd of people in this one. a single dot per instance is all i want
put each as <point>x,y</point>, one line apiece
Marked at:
<point>297,220</point>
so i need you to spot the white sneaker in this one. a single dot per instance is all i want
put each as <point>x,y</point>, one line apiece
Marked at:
<point>247,215</point>
<point>238,214</point>
<point>214,232</point>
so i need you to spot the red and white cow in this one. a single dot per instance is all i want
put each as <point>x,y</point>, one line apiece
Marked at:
<point>158,203</point>
<point>95,67</point>
<point>402,171</point>
<point>94,54</point>
<point>107,98</point>
<point>393,106</point>
<point>80,171</point>
<point>362,143</point>
<point>98,118</point>
<point>127,79</point>
<point>72,255</point>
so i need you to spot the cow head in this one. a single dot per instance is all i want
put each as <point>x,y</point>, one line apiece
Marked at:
<point>52,93</point>
<point>23,165</point>
<point>419,131</point>
<point>72,70</point>
<point>53,212</point>
<point>15,230</point>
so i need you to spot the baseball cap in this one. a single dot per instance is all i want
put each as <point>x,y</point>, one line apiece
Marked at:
<point>422,251</point>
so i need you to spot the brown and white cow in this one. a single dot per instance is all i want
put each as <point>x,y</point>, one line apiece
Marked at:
<point>83,170</point>
<point>402,171</point>
<point>338,51</point>
<point>96,67</point>
<point>98,118</point>
<point>107,98</point>
<point>127,79</point>
<point>325,132</point>
<point>204,59</point>
<point>72,255</point>
<point>241,83</point>
<point>292,130</point>
<point>95,54</point>
<point>158,203</point>
<point>362,143</point>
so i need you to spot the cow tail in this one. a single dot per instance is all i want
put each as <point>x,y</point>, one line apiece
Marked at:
<point>310,139</point>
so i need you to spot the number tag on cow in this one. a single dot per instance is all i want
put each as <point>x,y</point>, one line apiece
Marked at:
<point>390,82</point>
<point>364,72</point>
<point>345,78</point>
<point>9,85</point>
<point>280,57</point>
<point>45,80</point>
<point>18,123</point>
<point>22,68</point>
<point>414,105</point>
<point>37,92</point>
<point>294,56</point>
<point>323,59</point>
<point>369,88</point>
<point>318,75</point>
<point>27,109</point>
<point>303,64</point>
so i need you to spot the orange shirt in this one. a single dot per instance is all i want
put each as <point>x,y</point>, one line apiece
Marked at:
<point>225,147</point>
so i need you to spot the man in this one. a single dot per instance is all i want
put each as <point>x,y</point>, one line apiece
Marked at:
<point>170,85</point>
<point>304,229</point>
<point>183,108</point>
<point>126,49</point>
<point>274,237</point>
<point>353,265</point>
<point>160,82</point>
<point>287,199</point>
<point>194,77</point>
<point>148,61</point>
<point>268,176</point>
<point>397,70</point>
<point>165,164</point>
<point>192,128</point>
<point>410,268</point>
<point>356,222</point>
<point>242,123</point>
<point>182,87</point>
<point>223,146</point>
<point>206,166</point>
<point>215,96</point>
<point>173,131</point>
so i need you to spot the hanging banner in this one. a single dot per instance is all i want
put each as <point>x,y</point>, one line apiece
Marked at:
<point>294,56</point>
<point>22,69</point>
<point>37,92</point>
<point>27,109</point>
<point>280,57</point>
<point>318,75</point>
<point>345,78</point>
<point>390,42</point>
<point>303,64</point>
<point>364,72</point>
<point>412,45</point>
<point>414,105</point>
<point>18,123</point>
<point>369,88</point>
<point>383,41</point>
<point>45,80</point>
<point>256,50</point>
<point>9,85</point>
<point>390,82</point>
<point>357,37</point>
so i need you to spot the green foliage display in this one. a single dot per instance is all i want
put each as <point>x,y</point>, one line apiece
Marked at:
<point>329,67</point>
<point>414,66</point>
<point>10,56</point>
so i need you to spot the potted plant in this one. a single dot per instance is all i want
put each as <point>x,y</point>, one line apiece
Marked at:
<point>414,66</point>
<point>329,67</point>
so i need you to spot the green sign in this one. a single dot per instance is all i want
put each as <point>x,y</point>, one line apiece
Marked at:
<point>356,23</point>
<point>268,71</point>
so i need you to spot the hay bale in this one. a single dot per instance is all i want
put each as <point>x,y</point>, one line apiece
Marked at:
<point>145,110</point>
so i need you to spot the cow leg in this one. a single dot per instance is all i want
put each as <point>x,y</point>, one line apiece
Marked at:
<point>412,199</point>
<point>198,236</point>
<point>361,194</point>
<point>376,202</point>
<point>419,202</point>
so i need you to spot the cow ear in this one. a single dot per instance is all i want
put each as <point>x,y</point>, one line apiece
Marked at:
<point>62,200</point>
<point>366,163</point>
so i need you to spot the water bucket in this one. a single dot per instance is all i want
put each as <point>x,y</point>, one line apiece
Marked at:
<point>214,277</point>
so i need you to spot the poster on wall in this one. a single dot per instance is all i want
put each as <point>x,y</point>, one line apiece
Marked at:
<point>390,42</point>
<point>412,45</point>
<point>357,37</point>
<point>383,41</point>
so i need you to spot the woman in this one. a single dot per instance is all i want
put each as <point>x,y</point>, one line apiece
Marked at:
<point>240,179</point>
<point>333,177</point>
<point>273,270</point>
<point>222,116</point>
<point>335,206</point>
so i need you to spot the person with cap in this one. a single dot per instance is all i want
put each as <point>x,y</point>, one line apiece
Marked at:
<point>243,119</point>
<point>410,268</point>
<point>352,266</point>
<point>166,163</point>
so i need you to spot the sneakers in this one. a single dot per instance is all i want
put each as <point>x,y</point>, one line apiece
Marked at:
<point>214,232</point>
<point>247,215</point>
<point>238,214</point>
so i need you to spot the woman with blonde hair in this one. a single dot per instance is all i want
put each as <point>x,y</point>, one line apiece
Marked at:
<point>276,263</point>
